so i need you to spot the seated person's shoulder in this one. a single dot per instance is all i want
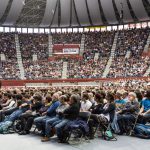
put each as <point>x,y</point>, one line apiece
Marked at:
<point>145,101</point>
<point>120,101</point>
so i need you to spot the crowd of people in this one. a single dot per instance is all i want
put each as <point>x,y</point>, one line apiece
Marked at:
<point>52,109</point>
<point>34,44</point>
<point>9,70</point>
<point>86,68</point>
<point>99,42</point>
<point>129,67</point>
<point>130,41</point>
<point>7,45</point>
<point>8,63</point>
<point>66,38</point>
<point>42,69</point>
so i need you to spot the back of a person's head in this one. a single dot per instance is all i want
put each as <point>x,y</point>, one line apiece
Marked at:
<point>147,94</point>
<point>18,97</point>
<point>55,96</point>
<point>48,98</point>
<point>64,98</point>
<point>37,98</point>
<point>118,95</point>
<point>5,94</point>
<point>98,98</point>
<point>102,93</point>
<point>13,96</point>
<point>110,97</point>
<point>139,95</point>
<point>26,96</point>
<point>59,93</point>
<point>9,95</point>
<point>85,96</point>
<point>76,91</point>
<point>68,95</point>
<point>19,103</point>
<point>90,94</point>
<point>74,98</point>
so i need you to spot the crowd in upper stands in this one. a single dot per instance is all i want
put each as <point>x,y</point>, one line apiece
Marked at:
<point>67,38</point>
<point>132,42</point>
<point>43,69</point>
<point>56,110</point>
<point>99,42</point>
<point>9,70</point>
<point>129,67</point>
<point>34,44</point>
<point>8,64</point>
<point>128,60</point>
<point>87,68</point>
<point>7,45</point>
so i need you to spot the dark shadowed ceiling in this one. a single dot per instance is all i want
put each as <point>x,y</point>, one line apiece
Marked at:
<point>72,13</point>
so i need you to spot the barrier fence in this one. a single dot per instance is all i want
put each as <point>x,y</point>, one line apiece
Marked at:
<point>67,82</point>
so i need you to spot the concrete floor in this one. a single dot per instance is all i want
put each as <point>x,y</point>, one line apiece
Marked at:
<point>32,142</point>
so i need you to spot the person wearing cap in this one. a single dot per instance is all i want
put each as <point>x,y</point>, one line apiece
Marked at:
<point>145,109</point>
<point>128,114</point>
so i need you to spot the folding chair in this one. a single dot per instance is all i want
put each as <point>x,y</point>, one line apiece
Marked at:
<point>105,130</point>
<point>76,135</point>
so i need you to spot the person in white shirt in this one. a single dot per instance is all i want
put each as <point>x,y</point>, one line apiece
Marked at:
<point>91,98</point>
<point>85,103</point>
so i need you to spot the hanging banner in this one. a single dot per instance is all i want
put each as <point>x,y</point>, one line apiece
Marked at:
<point>71,51</point>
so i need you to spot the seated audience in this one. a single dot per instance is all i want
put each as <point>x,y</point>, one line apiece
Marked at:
<point>50,113</point>
<point>145,109</point>
<point>127,115</point>
<point>50,123</point>
<point>71,113</point>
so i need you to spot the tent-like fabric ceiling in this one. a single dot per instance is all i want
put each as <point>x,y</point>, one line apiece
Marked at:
<point>72,13</point>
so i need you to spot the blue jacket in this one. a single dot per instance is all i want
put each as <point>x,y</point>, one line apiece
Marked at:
<point>52,109</point>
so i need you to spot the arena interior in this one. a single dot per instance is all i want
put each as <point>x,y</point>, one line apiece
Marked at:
<point>74,74</point>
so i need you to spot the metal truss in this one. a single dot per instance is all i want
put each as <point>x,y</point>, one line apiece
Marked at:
<point>32,13</point>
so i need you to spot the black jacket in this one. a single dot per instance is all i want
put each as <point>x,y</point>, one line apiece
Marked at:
<point>37,106</point>
<point>98,109</point>
<point>72,112</point>
<point>110,110</point>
